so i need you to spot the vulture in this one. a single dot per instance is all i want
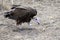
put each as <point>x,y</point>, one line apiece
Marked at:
<point>22,15</point>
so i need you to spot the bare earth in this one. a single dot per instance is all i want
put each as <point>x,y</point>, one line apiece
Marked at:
<point>49,28</point>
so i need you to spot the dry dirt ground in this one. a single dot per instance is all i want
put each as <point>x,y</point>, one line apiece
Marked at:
<point>49,28</point>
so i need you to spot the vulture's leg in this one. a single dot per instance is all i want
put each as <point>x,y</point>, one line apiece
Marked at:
<point>36,19</point>
<point>17,22</point>
<point>30,25</point>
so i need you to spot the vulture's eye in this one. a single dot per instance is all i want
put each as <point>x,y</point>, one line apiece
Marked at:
<point>35,19</point>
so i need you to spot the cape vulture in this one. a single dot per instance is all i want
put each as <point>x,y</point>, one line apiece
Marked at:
<point>22,15</point>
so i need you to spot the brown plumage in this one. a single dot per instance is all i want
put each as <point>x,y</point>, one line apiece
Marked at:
<point>21,15</point>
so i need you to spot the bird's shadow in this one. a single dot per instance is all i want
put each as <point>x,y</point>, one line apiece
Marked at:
<point>17,29</point>
<point>27,31</point>
<point>23,29</point>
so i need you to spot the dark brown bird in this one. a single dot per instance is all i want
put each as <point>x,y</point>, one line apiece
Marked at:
<point>22,15</point>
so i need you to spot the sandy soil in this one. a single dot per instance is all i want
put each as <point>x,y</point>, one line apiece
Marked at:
<point>49,28</point>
